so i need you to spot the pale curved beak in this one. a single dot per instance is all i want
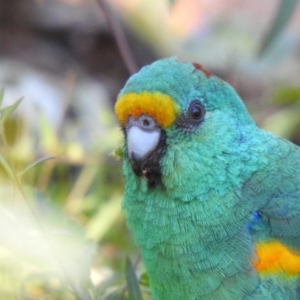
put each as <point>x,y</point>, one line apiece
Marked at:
<point>143,136</point>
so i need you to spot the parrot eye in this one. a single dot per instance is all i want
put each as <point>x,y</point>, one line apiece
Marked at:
<point>193,116</point>
<point>196,111</point>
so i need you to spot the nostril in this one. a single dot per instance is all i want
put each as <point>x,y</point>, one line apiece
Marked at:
<point>146,122</point>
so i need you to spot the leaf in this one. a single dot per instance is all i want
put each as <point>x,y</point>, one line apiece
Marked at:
<point>49,138</point>
<point>35,163</point>
<point>8,110</point>
<point>6,167</point>
<point>117,154</point>
<point>284,13</point>
<point>132,282</point>
<point>145,280</point>
<point>287,95</point>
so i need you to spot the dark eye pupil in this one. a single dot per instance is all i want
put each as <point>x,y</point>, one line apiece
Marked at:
<point>196,111</point>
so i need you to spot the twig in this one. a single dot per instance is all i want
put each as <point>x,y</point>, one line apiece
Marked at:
<point>119,37</point>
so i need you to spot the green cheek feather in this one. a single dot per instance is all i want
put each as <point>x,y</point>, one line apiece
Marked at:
<point>214,205</point>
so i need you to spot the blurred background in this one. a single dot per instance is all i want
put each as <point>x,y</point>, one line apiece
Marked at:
<point>62,232</point>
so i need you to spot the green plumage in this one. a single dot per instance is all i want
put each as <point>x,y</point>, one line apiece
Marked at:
<point>225,184</point>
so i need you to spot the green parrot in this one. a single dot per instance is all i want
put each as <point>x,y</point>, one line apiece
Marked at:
<point>212,200</point>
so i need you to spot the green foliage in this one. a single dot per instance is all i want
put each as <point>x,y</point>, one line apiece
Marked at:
<point>62,233</point>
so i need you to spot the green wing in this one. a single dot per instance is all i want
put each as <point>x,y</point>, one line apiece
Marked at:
<point>275,191</point>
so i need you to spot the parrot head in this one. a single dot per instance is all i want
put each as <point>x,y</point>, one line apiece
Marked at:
<point>176,116</point>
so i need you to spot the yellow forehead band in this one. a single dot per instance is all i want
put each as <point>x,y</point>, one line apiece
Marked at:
<point>157,105</point>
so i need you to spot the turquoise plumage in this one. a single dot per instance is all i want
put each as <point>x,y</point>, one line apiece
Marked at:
<point>212,200</point>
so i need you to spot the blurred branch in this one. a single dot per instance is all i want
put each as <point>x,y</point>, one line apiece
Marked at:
<point>119,37</point>
<point>283,15</point>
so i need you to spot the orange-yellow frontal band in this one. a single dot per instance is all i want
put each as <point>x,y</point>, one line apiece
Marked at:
<point>157,105</point>
<point>274,257</point>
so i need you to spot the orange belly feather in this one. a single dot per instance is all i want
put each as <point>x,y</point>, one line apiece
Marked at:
<point>274,257</point>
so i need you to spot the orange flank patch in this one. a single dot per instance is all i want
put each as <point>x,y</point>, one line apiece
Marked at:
<point>157,105</point>
<point>274,257</point>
